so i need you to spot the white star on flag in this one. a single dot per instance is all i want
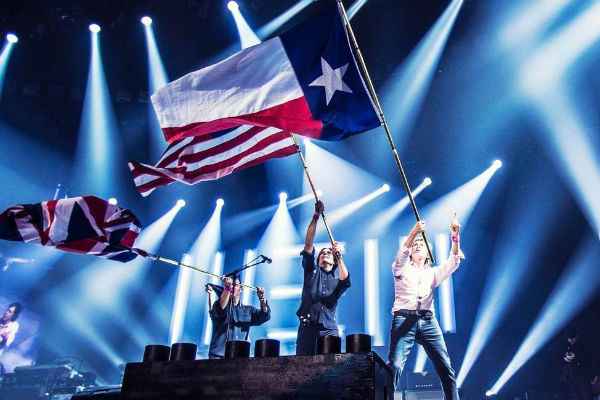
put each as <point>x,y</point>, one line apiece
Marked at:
<point>331,80</point>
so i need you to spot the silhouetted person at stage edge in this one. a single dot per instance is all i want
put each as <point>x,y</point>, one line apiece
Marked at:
<point>229,314</point>
<point>324,283</point>
<point>576,375</point>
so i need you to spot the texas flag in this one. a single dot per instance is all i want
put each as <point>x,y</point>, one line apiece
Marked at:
<point>305,81</point>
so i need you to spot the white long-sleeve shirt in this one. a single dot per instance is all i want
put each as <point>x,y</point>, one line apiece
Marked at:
<point>413,285</point>
<point>8,332</point>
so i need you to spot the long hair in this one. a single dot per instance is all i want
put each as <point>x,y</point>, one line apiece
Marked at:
<point>18,308</point>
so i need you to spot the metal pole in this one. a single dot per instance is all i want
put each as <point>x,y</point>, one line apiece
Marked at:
<point>165,260</point>
<point>375,98</point>
<point>312,186</point>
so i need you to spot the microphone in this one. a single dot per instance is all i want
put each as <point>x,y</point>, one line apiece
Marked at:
<point>266,259</point>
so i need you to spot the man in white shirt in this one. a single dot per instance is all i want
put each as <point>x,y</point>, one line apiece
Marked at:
<point>414,320</point>
<point>9,325</point>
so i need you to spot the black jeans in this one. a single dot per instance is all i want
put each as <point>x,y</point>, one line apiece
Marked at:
<point>308,337</point>
<point>426,331</point>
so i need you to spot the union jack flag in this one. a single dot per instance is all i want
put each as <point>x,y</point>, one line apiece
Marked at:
<point>86,225</point>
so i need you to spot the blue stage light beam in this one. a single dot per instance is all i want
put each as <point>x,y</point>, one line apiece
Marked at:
<point>339,214</point>
<point>446,289</point>
<point>11,39</point>
<point>97,142</point>
<point>248,276</point>
<point>245,222</point>
<point>209,240</point>
<point>157,79</point>
<point>547,67</point>
<point>384,219</point>
<point>280,20</point>
<point>570,137</point>
<point>204,252</point>
<point>303,199</point>
<point>371,282</point>
<point>92,282</point>
<point>355,7</point>
<point>512,262</point>
<point>218,261</point>
<point>577,285</point>
<point>529,20</point>
<point>461,200</point>
<point>343,179</point>
<point>87,331</point>
<point>405,93</point>
<point>182,294</point>
<point>280,233</point>
<point>247,36</point>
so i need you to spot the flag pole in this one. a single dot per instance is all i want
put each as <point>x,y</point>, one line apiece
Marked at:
<point>179,264</point>
<point>312,186</point>
<point>388,133</point>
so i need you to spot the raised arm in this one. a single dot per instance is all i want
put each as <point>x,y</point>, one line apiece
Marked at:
<point>404,249</point>
<point>227,291</point>
<point>337,255</point>
<point>312,227</point>
<point>262,314</point>
<point>451,264</point>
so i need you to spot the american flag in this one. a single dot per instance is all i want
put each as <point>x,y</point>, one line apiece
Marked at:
<point>209,157</point>
<point>86,224</point>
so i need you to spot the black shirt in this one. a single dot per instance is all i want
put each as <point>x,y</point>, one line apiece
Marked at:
<point>320,292</point>
<point>243,317</point>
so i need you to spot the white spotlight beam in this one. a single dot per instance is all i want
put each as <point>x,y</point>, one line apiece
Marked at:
<point>569,139</point>
<point>278,22</point>
<point>248,276</point>
<point>512,262</point>
<point>529,20</point>
<point>384,219</point>
<point>217,269</point>
<point>461,200</point>
<point>576,286</point>
<point>247,36</point>
<point>97,145</point>
<point>343,212</point>
<point>302,199</point>
<point>355,7</point>
<point>371,273</point>
<point>409,87</point>
<point>547,66</point>
<point>157,78</point>
<point>4,57</point>
<point>182,293</point>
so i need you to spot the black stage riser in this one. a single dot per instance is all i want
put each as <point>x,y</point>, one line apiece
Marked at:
<point>360,376</point>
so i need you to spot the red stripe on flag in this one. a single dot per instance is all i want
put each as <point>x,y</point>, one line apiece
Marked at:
<point>233,160</point>
<point>192,167</point>
<point>291,116</point>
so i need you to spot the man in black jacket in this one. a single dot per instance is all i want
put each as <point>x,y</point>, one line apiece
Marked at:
<point>326,278</point>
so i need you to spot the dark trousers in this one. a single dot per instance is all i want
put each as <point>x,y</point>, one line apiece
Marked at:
<point>575,386</point>
<point>308,337</point>
<point>426,331</point>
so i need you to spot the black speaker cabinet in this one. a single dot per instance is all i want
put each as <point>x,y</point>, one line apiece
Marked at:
<point>358,376</point>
